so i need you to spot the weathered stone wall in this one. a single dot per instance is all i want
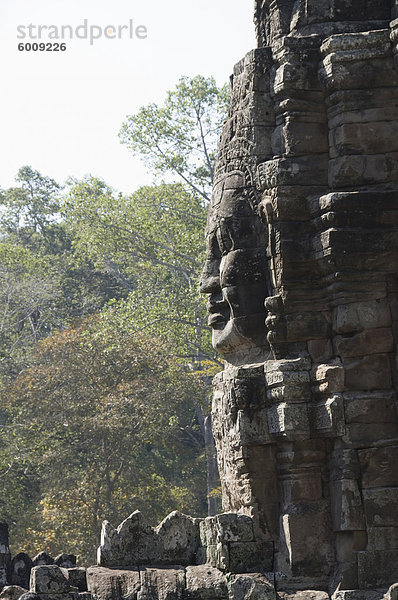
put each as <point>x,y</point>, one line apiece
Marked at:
<point>303,236</point>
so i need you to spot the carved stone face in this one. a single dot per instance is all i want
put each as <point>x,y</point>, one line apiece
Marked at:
<point>234,275</point>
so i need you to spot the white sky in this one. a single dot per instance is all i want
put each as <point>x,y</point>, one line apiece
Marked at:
<point>60,112</point>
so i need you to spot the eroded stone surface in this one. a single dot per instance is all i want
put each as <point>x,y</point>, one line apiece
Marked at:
<point>12,592</point>
<point>305,412</point>
<point>48,579</point>
<point>175,541</point>
<point>113,584</point>
<point>19,570</point>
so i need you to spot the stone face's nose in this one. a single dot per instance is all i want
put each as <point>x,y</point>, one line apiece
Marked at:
<point>209,282</point>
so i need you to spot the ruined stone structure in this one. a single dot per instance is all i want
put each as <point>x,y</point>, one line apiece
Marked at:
<point>301,272</point>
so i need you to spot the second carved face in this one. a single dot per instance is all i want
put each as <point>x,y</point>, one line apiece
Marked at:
<point>235,272</point>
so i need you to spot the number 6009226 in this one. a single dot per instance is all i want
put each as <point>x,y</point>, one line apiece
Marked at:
<point>42,47</point>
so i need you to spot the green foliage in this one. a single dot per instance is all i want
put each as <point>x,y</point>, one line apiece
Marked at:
<point>152,243</point>
<point>181,136</point>
<point>27,293</point>
<point>104,414</point>
<point>31,207</point>
<point>42,286</point>
<point>103,425</point>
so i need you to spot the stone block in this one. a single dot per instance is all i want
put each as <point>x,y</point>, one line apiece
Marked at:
<point>226,527</point>
<point>381,507</point>
<point>305,486</point>
<point>307,325</point>
<point>356,170</point>
<point>42,558</point>
<point>303,363</point>
<point>290,202</point>
<point>320,350</point>
<point>217,555</point>
<point>289,420</point>
<point>327,417</point>
<point>48,579</point>
<point>306,595</point>
<point>349,46</point>
<point>251,556</point>
<point>362,434</point>
<point>302,170</point>
<point>67,561</point>
<point>179,539</point>
<point>348,543</point>
<point>377,568</point>
<point>374,137</point>
<point>295,138</point>
<point>357,594</point>
<point>347,508</point>
<point>288,385</point>
<point>372,341</point>
<point>372,372</point>
<point>252,427</point>
<point>205,583</point>
<point>329,378</point>
<point>344,465</point>
<point>356,60</point>
<point>307,535</point>
<point>379,467</point>
<point>18,572</point>
<point>292,76</point>
<point>288,378</point>
<point>252,587</point>
<point>12,592</point>
<point>175,541</point>
<point>383,538</point>
<point>357,316</point>
<point>161,583</point>
<point>77,578</point>
<point>370,407</point>
<point>113,584</point>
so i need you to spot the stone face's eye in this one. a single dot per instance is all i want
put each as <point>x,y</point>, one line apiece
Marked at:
<point>224,237</point>
<point>213,247</point>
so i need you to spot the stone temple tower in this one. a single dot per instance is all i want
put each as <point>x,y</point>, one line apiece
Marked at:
<point>301,273</point>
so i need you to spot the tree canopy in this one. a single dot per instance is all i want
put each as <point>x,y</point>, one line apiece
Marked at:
<point>180,137</point>
<point>105,354</point>
<point>101,424</point>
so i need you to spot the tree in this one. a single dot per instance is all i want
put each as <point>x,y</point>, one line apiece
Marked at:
<point>101,425</point>
<point>152,243</point>
<point>43,287</point>
<point>27,293</point>
<point>181,136</point>
<point>30,208</point>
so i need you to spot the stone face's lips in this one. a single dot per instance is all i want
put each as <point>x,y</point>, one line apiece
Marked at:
<point>218,310</point>
<point>216,319</point>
